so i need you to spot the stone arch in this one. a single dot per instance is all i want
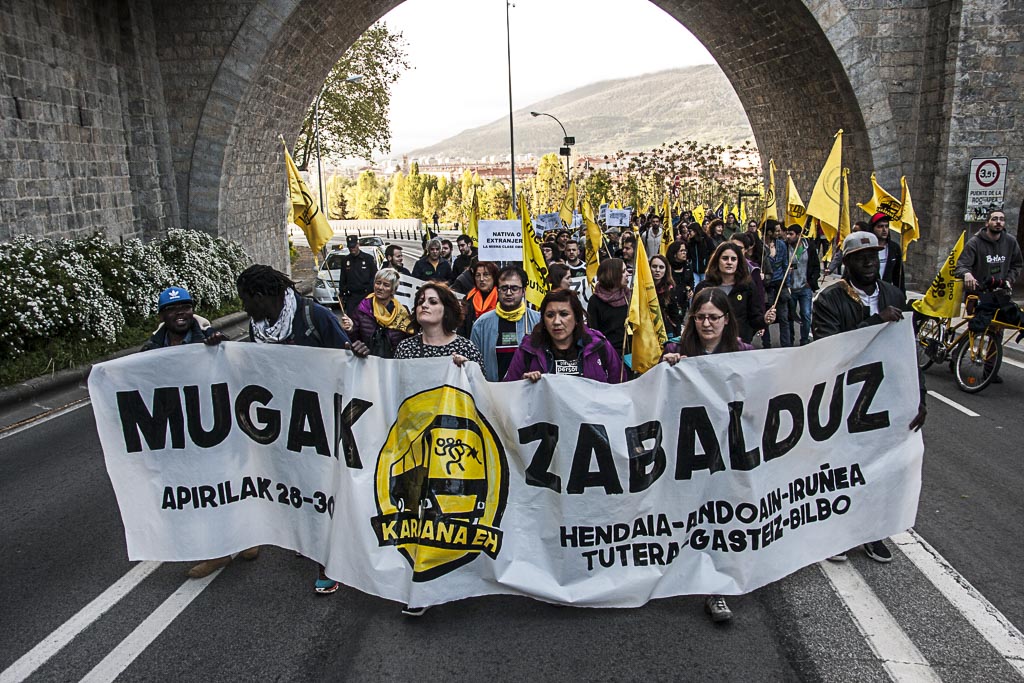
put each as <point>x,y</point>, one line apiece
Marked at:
<point>795,65</point>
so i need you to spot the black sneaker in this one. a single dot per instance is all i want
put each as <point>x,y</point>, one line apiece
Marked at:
<point>877,551</point>
<point>716,608</point>
<point>414,611</point>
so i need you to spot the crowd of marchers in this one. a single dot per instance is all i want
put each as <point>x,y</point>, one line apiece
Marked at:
<point>720,285</point>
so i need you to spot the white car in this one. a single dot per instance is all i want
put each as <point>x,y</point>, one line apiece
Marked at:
<point>373,241</point>
<point>325,290</point>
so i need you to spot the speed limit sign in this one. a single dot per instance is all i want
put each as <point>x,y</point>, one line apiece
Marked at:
<point>985,187</point>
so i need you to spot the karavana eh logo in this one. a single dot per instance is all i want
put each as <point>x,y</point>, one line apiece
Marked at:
<point>441,483</point>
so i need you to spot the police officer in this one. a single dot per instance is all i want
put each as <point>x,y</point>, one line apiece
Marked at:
<point>358,269</point>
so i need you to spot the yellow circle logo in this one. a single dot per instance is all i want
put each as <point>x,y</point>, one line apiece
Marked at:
<point>441,483</point>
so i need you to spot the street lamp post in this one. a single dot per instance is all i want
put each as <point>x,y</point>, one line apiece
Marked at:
<point>316,139</point>
<point>567,143</point>
<point>511,130</point>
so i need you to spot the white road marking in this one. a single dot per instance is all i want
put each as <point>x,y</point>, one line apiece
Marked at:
<point>989,622</point>
<point>950,402</point>
<point>1014,363</point>
<point>44,418</point>
<point>53,643</point>
<point>900,657</point>
<point>121,657</point>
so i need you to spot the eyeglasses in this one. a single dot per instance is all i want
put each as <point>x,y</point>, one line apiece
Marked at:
<point>509,289</point>
<point>708,317</point>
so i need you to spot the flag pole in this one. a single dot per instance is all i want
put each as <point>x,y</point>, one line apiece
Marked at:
<point>784,276</point>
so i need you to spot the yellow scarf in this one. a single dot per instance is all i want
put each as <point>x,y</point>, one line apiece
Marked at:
<point>397,319</point>
<point>512,316</point>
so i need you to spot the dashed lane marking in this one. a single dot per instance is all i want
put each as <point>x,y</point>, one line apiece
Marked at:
<point>121,657</point>
<point>894,649</point>
<point>52,644</point>
<point>986,619</point>
<point>950,402</point>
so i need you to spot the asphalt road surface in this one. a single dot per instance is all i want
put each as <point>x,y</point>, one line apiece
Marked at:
<point>73,607</point>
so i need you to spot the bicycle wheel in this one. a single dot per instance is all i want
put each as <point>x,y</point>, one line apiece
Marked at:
<point>977,361</point>
<point>929,338</point>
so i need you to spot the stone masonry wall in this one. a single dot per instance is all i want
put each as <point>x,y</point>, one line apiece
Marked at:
<point>82,121</point>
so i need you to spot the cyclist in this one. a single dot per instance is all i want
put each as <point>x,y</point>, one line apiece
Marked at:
<point>990,260</point>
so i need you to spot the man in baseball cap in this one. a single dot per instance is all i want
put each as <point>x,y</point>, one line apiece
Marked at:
<point>178,322</point>
<point>862,298</point>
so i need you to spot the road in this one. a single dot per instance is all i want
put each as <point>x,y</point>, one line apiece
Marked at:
<point>73,607</point>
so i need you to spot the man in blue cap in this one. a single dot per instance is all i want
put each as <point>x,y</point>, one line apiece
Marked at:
<point>178,322</point>
<point>180,325</point>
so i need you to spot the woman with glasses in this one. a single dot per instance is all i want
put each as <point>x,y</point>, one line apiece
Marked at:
<point>710,328</point>
<point>563,345</point>
<point>728,272</point>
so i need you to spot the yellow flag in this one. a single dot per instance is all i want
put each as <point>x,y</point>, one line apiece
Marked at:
<point>644,321</point>
<point>473,225</point>
<point>533,258</point>
<point>771,211</point>
<point>698,213</point>
<point>882,202</point>
<point>824,201</point>
<point>908,219</point>
<point>666,235</point>
<point>844,209</point>
<point>568,204</point>
<point>594,239</point>
<point>304,211</point>
<point>942,300</point>
<point>795,209</point>
<point>510,214</point>
<point>742,213</point>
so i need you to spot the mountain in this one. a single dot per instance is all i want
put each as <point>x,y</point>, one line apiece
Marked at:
<point>637,113</point>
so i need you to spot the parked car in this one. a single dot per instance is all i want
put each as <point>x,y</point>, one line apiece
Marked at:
<point>372,241</point>
<point>325,290</point>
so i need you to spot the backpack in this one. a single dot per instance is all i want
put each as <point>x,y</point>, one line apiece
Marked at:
<point>380,344</point>
<point>307,313</point>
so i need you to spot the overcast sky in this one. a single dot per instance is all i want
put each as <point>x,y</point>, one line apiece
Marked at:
<point>460,77</point>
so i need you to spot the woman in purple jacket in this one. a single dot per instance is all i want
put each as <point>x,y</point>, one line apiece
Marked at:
<point>564,345</point>
<point>380,321</point>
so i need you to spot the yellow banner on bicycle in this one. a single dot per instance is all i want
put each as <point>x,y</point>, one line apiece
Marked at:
<point>943,298</point>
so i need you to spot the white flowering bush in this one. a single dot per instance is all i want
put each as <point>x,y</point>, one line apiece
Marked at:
<point>88,290</point>
<point>206,266</point>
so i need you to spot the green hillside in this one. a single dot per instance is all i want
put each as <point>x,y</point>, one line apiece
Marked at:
<point>641,112</point>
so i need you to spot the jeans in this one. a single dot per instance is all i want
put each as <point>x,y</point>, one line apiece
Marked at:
<point>801,299</point>
<point>781,315</point>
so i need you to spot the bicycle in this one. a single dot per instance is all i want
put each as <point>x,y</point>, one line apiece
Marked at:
<point>974,356</point>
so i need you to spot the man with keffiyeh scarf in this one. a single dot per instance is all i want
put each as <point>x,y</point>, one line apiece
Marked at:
<point>279,315</point>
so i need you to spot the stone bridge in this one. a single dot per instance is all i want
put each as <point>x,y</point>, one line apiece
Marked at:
<point>137,116</point>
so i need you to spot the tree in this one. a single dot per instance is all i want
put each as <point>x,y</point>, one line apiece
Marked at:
<point>337,196</point>
<point>549,185</point>
<point>354,115</point>
<point>371,199</point>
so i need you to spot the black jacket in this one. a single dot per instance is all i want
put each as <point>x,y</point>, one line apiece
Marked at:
<point>836,311</point>
<point>424,270</point>
<point>894,266</point>
<point>357,273</point>
<point>608,320</point>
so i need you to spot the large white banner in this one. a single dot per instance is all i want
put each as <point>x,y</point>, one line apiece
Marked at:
<point>423,483</point>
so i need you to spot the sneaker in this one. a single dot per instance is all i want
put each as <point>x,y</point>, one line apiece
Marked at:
<point>414,611</point>
<point>838,557</point>
<point>325,586</point>
<point>250,554</point>
<point>877,551</point>
<point>207,567</point>
<point>716,608</point>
